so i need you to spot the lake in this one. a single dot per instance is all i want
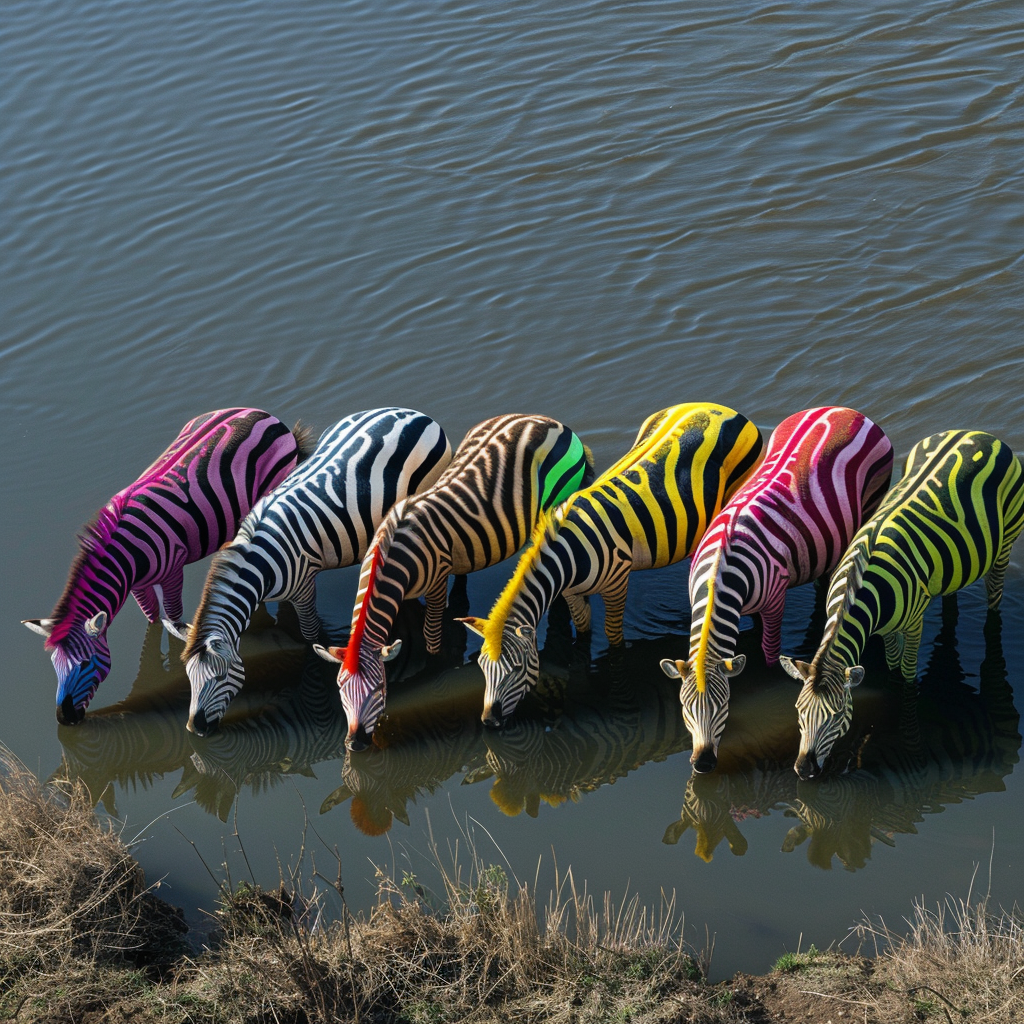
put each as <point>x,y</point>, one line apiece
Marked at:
<point>591,211</point>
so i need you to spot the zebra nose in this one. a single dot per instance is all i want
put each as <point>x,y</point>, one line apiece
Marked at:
<point>492,716</point>
<point>198,724</point>
<point>358,739</point>
<point>67,713</point>
<point>705,761</point>
<point>807,767</point>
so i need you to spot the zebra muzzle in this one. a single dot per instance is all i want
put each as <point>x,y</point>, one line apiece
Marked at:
<point>199,725</point>
<point>67,713</point>
<point>359,739</point>
<point>705,761</point>
<point>807,767</point>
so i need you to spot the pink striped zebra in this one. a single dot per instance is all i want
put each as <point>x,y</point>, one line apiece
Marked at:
<point>825,471</point>
<point>187,504</point>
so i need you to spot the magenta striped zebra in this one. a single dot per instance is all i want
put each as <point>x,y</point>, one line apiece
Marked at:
<point>825,471</point>
<point>188,503</point>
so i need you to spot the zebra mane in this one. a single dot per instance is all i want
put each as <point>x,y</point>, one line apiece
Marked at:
<point>852,572</point>
<point>700,662</point>
<point>92,539</point>
<point>218,572</point>
<point>546,526</point>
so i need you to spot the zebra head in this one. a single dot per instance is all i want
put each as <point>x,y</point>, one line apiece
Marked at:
<point>509,671</point>
<point>216,674</point>
<point>705,708</point>
<point>81,658</point>
<point>824,708</point>
<point>362,684</point>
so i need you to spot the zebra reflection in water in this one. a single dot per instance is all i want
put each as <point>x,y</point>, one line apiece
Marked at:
<point>140,739</point>
<point>951,743</point>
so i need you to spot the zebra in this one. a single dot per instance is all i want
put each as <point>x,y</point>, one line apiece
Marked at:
<point>322,518</point>
<point>183,507</point>
<point>507,471</point>
<point>951,520</point>
<point>824,472</point>
<point>647,511</point>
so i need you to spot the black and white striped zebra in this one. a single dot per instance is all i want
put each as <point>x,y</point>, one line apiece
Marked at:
<point>323,517</point>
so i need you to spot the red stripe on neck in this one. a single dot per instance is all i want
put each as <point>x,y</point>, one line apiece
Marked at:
<point>351,663</point>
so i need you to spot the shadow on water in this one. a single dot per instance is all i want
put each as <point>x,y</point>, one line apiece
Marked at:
<point>911,751</point>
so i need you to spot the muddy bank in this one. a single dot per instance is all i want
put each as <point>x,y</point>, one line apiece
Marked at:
<point>82,938</point>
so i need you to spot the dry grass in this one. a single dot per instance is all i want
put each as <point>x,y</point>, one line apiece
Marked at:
<point>83,940</point>
<point>962,960</point>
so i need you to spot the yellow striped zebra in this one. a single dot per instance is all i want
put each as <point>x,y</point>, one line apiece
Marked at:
<point>649,510</point>
<point>481,510</point>
<point>951,520</point>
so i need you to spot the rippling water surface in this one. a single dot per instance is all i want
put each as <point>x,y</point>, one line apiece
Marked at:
<point>589,210</point>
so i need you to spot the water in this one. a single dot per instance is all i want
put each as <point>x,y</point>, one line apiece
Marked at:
<point>592,212</point>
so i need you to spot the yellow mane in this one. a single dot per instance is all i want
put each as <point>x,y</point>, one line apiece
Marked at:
<point>503,605</point>
<point>700,662</point>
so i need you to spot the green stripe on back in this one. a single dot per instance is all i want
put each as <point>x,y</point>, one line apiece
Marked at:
<point>574,456</point>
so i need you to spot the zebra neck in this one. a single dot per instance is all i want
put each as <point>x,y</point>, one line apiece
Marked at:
<point>239,579</point>
<point>552,573</point>
<point>96,583</point>
<point>714,626</point>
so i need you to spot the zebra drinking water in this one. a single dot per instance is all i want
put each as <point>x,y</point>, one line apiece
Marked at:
<point>322,518</point>
<point>183,507</point>
<point>649,510</point>
<point>825,470</point>
<point>506,472</point>
<point>951,520</point>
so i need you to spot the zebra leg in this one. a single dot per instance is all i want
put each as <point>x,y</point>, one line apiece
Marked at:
<point>148,602</point>
<point>911,644</point>
<point>771,627</point>
<point>171,608</point>
<point>437,598</point>
<point>615,609</point>
<point>303,600</point>
<point>893,649</point>
<point>995,576</point>
<point>579,609</point>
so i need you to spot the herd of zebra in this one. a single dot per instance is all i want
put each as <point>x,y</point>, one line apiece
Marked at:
<point>383,487</point>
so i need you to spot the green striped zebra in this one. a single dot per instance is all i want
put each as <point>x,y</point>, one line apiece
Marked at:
<point>951,520</point>
<point>647,511</point>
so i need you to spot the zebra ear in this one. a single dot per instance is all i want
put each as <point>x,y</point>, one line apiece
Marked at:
<point>44,627</point>
<point>391,651</point>
<point>335,655</point>
<point>854,676</point>
<point>799,670</point>
<point>476,625</point>
<point>96,624</point>
<point>734,666</point>
<point>526,632</point>
<point>674,669</point>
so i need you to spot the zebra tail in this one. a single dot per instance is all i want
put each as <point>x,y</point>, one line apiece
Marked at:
<point>590,473</point>
<point>305,440</point>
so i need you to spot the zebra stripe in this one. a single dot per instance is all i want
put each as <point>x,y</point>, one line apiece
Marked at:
<point>825,470</point>
<point>183,507</point>
<point>951,520</point>
<point>323,517</point>
<point>649,510</point>
<point>506,472</point>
